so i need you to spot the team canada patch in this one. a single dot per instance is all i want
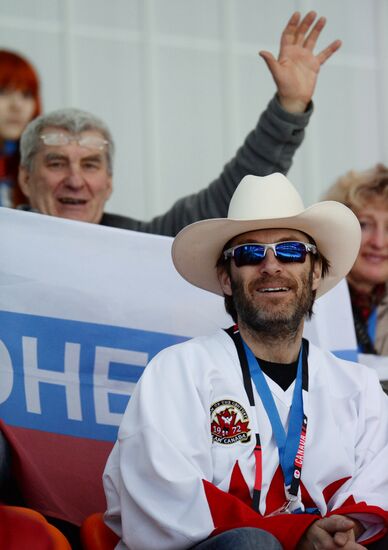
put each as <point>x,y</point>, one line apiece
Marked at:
<point>229,422</point>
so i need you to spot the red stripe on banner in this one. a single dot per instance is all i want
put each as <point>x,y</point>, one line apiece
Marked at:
<point>59,475</point>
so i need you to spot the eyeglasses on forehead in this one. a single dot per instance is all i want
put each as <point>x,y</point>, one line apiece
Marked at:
<point>59,138</point>
<point>254,253</point>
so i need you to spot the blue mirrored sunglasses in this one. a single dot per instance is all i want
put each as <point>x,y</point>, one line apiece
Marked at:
<point>254,253</point>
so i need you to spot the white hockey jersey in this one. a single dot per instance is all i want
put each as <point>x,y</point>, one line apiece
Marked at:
<point>183,467</point>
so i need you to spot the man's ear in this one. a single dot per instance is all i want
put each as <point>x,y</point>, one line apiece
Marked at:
<point>109,188</point>
<point>224,278</point>
<point>317,274</point>
<point>24,180</point>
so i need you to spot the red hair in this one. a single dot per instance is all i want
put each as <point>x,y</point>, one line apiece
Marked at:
<point>18,74</point>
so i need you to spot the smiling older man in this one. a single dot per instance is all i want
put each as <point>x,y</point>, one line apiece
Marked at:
<point>66,165</point>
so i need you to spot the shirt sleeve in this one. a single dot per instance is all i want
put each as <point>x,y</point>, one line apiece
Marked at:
<point>153,478</point>
<point>365,495</point>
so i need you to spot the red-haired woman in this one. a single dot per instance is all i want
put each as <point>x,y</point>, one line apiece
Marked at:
<point>19,103</point>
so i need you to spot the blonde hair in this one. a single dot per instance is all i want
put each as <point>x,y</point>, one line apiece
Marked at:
<point>357,189</point>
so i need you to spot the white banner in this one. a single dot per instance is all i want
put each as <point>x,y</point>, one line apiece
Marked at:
<point>84,308</point>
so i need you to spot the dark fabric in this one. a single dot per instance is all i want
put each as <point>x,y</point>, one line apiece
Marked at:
<point>71,532</point>
<point>282,374</point>
<point>10,492</point>
<point>362,305</point>
<point>365,302</point>
<point>244,538</point>
<point>381,544</point>
<point>5,464</point>
<point>9,164</point>
<point>365,345</point>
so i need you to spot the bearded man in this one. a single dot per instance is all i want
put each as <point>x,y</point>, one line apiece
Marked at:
<point>253,438</point>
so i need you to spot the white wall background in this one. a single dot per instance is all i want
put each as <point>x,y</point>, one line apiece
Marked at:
<point>180,84</point>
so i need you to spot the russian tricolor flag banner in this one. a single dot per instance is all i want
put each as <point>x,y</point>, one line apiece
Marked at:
<point>83,308</point>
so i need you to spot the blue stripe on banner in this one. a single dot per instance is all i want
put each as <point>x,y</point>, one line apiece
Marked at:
<point>348,354</point>
<point>71,377</point>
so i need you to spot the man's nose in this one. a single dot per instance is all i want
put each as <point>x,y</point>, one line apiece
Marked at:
<point>74,179</point>
<point>270,264</point>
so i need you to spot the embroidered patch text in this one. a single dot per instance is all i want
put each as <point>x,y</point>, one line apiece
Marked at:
<point>229,422</point>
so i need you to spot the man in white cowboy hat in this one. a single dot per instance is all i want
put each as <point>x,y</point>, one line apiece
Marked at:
<point>252,437</point>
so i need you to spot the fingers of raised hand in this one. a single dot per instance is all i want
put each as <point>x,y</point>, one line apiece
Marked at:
<point>304,26</point>
<point>313,36</point>
<point>290,30</point>
<point>328,51</point>
<point>295,31</point>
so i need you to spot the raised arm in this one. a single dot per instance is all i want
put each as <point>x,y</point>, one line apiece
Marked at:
<point>271,146</point>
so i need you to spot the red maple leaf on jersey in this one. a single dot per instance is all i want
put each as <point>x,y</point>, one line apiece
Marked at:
<point>226,424</point>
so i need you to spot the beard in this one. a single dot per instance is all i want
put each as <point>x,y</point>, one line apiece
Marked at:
<point>273,320</point>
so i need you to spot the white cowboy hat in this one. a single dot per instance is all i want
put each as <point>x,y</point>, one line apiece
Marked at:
<point>268,202</point>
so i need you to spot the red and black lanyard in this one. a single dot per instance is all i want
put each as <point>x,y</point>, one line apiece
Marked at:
<point>291,445</point>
